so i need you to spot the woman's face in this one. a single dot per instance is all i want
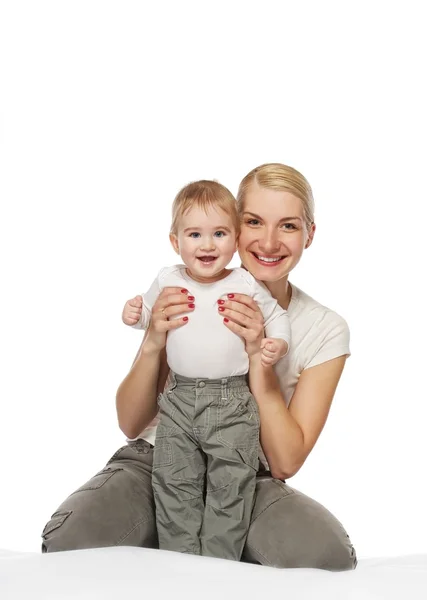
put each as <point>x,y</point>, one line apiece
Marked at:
<point>273,233</point>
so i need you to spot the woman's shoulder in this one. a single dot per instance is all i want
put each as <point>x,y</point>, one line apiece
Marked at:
<point>305,307</point>
<point>318,332</point>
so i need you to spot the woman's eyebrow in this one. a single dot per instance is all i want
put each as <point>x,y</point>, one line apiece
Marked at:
<point>281,220</point>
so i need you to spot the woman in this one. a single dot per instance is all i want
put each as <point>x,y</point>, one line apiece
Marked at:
<point>288,529</point>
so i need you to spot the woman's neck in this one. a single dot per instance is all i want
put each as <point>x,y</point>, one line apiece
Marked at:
<point>281,290</point>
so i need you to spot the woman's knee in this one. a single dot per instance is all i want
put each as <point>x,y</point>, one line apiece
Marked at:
<point>290,530</point>
<point>115,507</point>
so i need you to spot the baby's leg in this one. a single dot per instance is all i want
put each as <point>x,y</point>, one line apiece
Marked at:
<point>232,451</point>
<point>178,479</point>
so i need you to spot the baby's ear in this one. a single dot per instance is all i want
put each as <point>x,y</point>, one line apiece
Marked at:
<point>174,242</point>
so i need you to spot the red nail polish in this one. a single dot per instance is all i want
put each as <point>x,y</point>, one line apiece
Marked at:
<point>221,308</point>
<point>221,301</point>
<point>225,320</point>
<point>230,295</point>
<point>185,318</point>
<point>184,291</point>
<point>191,298</point>
<point>191,305</point>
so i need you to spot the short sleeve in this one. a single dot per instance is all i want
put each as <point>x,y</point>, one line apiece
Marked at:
<point>334,341</point>
<point>149,299</point>
<point>276,320</point>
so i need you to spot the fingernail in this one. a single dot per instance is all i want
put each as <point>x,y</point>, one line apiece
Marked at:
<point>225,320</point>
<point>221,308</point>
<point>230,295</point>
<point>185,318</point>
<point>221,301</point>
<point>191,305</point>
<point>184,291</point>
<point>191,298</point>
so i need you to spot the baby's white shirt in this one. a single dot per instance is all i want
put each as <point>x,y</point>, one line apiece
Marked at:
<point>204,347</point>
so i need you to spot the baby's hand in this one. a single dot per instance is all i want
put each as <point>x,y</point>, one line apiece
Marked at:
<point>132,311</point>
<point>272,350</point>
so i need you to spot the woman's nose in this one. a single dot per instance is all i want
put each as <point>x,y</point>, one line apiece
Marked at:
<point>269,243</point>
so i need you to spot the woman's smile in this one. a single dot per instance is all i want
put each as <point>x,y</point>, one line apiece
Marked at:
<point>268,261</point>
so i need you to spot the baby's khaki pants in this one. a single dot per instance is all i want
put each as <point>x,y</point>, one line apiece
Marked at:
<point>205,465</point>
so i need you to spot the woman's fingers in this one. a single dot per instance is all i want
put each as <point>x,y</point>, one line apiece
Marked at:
<point>248,313</point>
<point>249,334</point>
<point>244,304</point>
<point>257,326</point>
<point>176,309</point>
<point>238,329</point>
<point>173,324</point>
<point>170,303</point>
<point>167,302</point>
<point>237,317</point>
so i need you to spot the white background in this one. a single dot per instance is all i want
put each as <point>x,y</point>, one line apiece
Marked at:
<point>107,109</point>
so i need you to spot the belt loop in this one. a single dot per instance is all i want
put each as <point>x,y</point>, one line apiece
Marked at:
<point>224,389</point>
<point>172,383</point>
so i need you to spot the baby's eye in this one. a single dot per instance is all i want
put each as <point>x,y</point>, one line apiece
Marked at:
<point>219,234</point>
<point>194,234</point>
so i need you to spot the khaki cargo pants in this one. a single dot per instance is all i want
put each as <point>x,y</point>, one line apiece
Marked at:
<point>205,465</point>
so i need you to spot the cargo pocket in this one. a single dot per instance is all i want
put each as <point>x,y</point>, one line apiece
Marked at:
<point>167,425</point>
<point>237,425</point>
<point>55,522</point>
<point>162,456</point>
<point>99,479</point>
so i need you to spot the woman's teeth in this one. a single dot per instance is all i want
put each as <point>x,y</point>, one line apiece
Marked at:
<point>269,260</point>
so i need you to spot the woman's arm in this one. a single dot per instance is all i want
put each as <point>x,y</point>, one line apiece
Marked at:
<point>136,398</point>
<point>288,434</point>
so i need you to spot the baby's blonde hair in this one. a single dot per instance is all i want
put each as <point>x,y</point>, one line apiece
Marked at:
<point>204,194</point>
<point>275,176</point>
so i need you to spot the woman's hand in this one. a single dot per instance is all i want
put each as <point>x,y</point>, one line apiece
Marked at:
<point>172,301</point>
<point>243,316</point>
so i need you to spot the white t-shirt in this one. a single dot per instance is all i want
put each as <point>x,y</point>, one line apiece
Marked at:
<point>318,335</point>
<point>205,347</point>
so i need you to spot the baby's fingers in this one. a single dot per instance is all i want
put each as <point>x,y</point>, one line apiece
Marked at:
<point>268,353</point>
<point>266,361</point>
<point>130,320</point>
<point>135,302</point>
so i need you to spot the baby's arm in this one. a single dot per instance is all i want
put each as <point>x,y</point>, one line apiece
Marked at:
<point>276,324</point>
<point>137,312</point>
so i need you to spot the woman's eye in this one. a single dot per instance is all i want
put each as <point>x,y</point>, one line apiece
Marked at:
<point>194,234</point>
<point>252,222</point>
<point>219,234</point>
<point>289,226</point>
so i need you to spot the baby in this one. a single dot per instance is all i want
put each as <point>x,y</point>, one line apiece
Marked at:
<point>207,441</point>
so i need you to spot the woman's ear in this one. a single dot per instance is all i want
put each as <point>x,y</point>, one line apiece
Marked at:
<point>174,242</point>
<point>310,237</point>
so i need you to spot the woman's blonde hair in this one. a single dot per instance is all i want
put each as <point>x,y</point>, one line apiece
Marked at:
<point>275,176</point>
<point>204,194</point>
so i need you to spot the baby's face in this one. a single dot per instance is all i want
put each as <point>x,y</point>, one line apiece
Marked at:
<point>206,241</point>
